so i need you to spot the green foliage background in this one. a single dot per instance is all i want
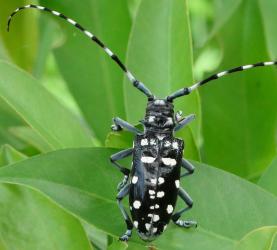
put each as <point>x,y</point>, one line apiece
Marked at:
<point>59,92</point>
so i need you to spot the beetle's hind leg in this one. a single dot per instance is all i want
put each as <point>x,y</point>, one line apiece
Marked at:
<point>176,217</point>
<point>123,193</point>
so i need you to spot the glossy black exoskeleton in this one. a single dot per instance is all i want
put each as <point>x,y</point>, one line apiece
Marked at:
<point>153,184</point>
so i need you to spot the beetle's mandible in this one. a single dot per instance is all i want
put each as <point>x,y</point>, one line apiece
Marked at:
<point>153,183</point>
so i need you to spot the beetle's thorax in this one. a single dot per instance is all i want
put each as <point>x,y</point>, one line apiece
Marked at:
<point>159,117</point>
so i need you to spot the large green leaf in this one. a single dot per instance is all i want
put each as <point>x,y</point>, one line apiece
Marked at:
<point>239,111</point>
<point>259,239</point>
<point>160,55</point>
<point>10,155</point>
<point>93,78</point>
<point>21,42</point>
<point>84,183</point>
<point>29,221</point>
<point>268,10</point>
<point>41,110</point>
<point>269,177</point>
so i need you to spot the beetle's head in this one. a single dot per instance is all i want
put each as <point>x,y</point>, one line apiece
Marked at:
<point>159,115</point>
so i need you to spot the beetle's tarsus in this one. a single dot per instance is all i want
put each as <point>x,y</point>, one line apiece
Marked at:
<point>125,237</point>
<point>186,224</point>
<point>116,128</point>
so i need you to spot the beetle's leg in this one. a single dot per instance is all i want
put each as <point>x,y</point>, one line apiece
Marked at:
<point>175,217</point>
<point>184,122</point>
<point>124,192</point>
<point>119,124</point>
<point>188,166</point>
<point>118,156</point>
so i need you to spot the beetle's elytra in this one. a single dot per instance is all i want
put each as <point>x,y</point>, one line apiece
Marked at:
<point>153,183</point>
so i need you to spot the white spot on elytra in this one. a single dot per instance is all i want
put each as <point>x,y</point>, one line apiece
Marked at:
<point>152,142</point>
<point>147,226</point>
<point>136,224</point>
<point>144,142</point>
<point>153,181</point>
<point>150,215</point>
<point>151,207</point>
<point>169,209</point>
<point>177,183</point>
<point>152,197</point>
<point>157,206</point>
<point>160,194</point>
<point>160,180</point>
<point>151,192</point>
<point>151,118</point>
<point>175,145</point>
<point>165,226</point>
<point>167,144</point>
<point>156,217</point>
<point>169,161</point>
<point>134,179</point>
<point>136,204</point>
<point>154,230</point>
<point>147,159</point>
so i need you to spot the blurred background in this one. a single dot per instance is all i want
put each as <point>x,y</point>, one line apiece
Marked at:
<point>167,49</point>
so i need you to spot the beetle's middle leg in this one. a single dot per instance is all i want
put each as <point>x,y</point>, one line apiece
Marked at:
<point>188,166</point>
<point>123,193</point>
<point>118,156</point>
<point>176,216</point>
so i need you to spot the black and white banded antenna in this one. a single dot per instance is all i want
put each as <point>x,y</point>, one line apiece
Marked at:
<point>188,90</point>
<point>136,83</point>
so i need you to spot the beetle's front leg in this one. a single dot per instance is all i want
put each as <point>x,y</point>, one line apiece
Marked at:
<point>188,166</point>
<point>123,193</point>
<point>118,156</point>
<point>175,217</point>
<point>184,122</point>
<point>120,124</point>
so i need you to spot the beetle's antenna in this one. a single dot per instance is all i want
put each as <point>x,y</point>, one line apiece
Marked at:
<point>188,90</point>
<point>136,83</point>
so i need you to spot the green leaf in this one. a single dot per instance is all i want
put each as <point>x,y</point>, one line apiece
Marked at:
<point>84,183</point>
<point>10,155</point>
<point>21,42</point>
<point>239,114</point>
<point>268,179</point>
<point>268,10</point>
<point>260,239</point>
<point>54,123</point>
<point>29,221</point>
<point>29,136</point>
<point>160,55</point>
<point>92,77</point>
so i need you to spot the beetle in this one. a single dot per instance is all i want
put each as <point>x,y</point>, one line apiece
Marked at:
<point>153,183</point>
